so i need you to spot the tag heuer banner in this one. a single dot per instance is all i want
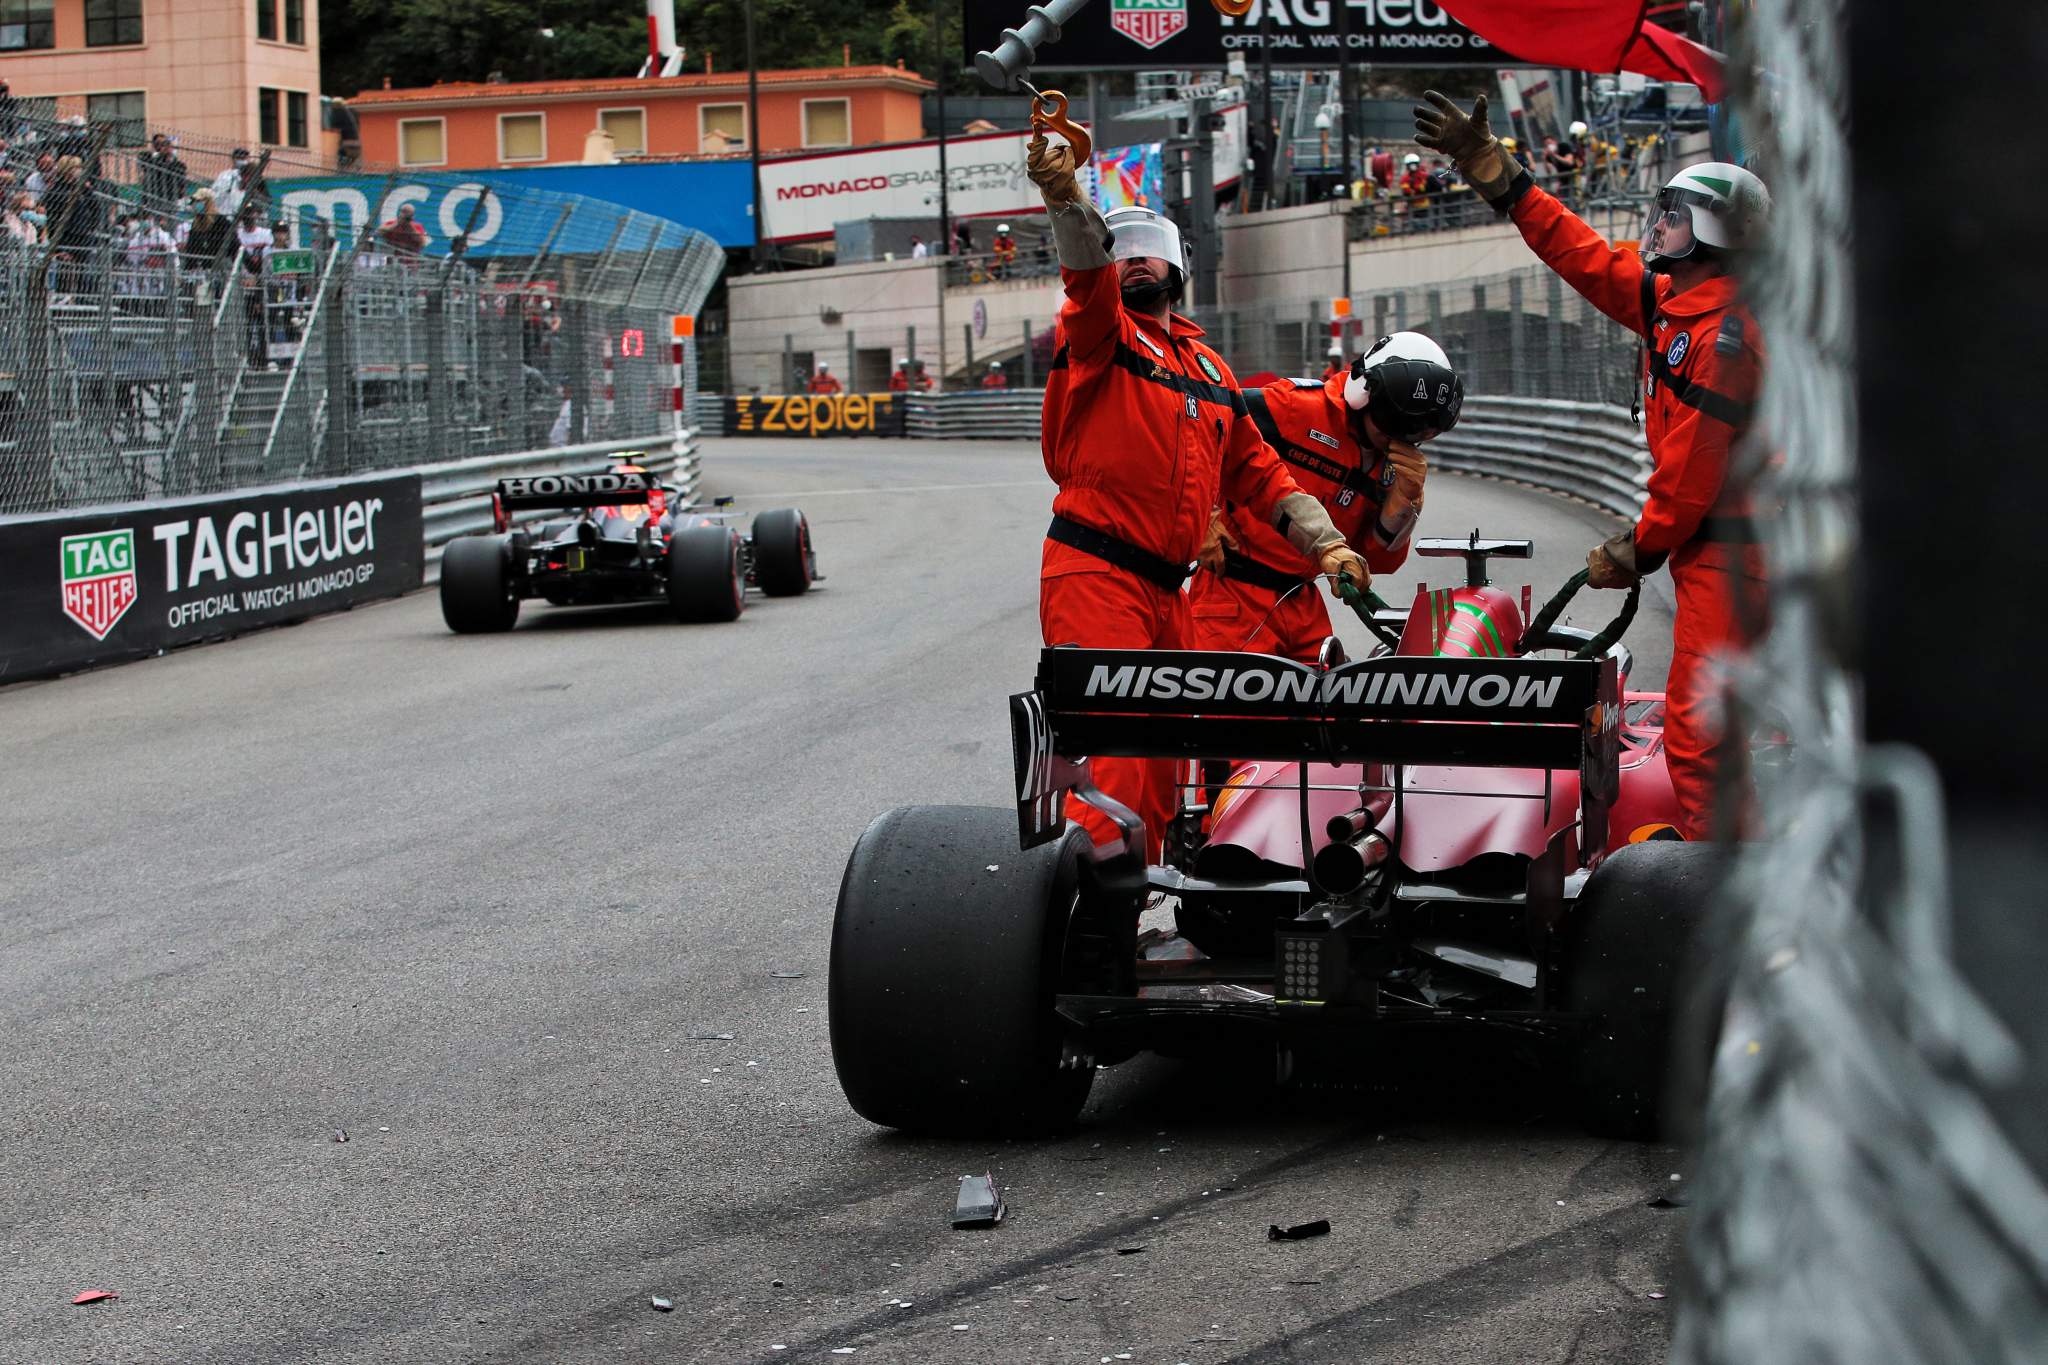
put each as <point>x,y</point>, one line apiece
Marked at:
<point>1191,35</point>
<point>90,587</point>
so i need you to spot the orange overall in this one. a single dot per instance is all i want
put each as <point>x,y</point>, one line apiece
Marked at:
<point>1145,433</point>
<point>1700,375</point>
<point>1306,425</point>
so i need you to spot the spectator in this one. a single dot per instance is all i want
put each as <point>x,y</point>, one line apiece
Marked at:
<point>402,234</point>
<point>918,250</point>
<point>920,381</point>
<point>1381,162</point>
<point>203,239</point>
<point>6,110</point>
<point>163,173</point>
<point>43,176</point>
<point>1005,251</point>
<point>963,238</point>
<point>149,249</point>
<point>78,224</point>
<point>995,378</point>
<point>23,224</point>
<point>253,238</point>
<point>229,181</point>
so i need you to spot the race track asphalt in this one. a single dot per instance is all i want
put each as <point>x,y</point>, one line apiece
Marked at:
<point>478,901</point>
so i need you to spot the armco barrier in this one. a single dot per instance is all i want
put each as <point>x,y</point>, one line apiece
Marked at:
<point>1590,451</point>
<point>457,495</point>
<point>1583,450</point>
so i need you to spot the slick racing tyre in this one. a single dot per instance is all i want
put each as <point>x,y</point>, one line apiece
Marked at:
<point>946,950</point>
<point>784,563</point>
<point>478,595</point>
<point>1628,940</point>
<point>704,575</point>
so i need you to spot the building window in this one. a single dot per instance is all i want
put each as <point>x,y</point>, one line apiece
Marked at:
<point>295,118</point>
<point>721,127</point>
<point>295,22</point>
<point>522,137</point>
<point>628,128</point>
<point>828,123</point>
<point>266,115</point>
<point>422,142</point>
<point>266,19</point>
<point>122,111</point>
<point>112,23</point>
<point>26,24</point>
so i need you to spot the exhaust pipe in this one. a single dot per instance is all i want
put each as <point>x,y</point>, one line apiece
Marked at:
<point>1341,868</point>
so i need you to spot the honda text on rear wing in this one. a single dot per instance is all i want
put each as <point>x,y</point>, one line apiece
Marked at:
<point>609,489</point>
<point>1514,713</point>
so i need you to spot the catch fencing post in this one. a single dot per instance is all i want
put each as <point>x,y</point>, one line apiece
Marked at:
<point>1485,335</point>
<point>788,362</point>
<point>1516,336</point>
<point>852,363</point>
<point>1030,373</point>
<point>1554,335</point>
<point>682,333</point>
<point>967,331</point>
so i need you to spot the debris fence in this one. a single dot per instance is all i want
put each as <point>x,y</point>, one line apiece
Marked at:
<point>176,322</point>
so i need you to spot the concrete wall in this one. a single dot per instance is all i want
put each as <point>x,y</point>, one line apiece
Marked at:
<point>876,300</point>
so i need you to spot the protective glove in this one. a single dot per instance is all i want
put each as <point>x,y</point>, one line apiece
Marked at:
<point>1603,572</point>
<point>1468,142</point>
<point>1051,168</point>
<point>1219,539</point>
<point>1411,467</point>
<point>1342,560</point>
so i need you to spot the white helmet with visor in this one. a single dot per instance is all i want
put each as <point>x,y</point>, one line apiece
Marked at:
<point>1715,205</point>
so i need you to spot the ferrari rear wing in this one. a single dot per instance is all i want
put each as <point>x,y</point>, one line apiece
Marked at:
<point>1510,713</point>
<point>611,488</point>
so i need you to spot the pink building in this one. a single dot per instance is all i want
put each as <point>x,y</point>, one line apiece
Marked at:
<point>242,71</point>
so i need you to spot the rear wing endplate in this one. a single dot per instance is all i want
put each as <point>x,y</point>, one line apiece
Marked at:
<point>1509,713</point>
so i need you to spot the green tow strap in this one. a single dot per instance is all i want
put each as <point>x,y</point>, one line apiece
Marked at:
<point>1600,643</point>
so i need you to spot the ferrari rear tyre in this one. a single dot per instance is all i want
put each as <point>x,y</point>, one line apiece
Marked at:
<point>477,592</point>
<point>946,950</point>
<point>1629,942</point>
<point>784,563</point>
<point>704,575</point>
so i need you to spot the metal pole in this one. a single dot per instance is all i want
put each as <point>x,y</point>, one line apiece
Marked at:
<point>754,140</point>
<point>1030,377</point>
<point>1267,137</point>
<point>1202,191</point>
<point>788,362</point>
<point>1344,104</point>
<point>945,243</point>
<point>852,364</point>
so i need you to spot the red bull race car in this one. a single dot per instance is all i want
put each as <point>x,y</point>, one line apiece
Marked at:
<point>1470,828</point>
<point>626,538</point>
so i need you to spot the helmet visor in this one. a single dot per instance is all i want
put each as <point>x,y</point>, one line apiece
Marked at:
<point>1149,235</point>
<point>1413,400</point>
<point>1667,228</point>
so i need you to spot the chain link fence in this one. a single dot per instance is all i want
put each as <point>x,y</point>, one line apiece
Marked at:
<point>177,319</point>
<point>1858,1199</point>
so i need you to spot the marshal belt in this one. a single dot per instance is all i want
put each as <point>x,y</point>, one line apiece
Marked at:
<point>1245,569</point>
<point>1728,531</point>
<point>1121,553</point>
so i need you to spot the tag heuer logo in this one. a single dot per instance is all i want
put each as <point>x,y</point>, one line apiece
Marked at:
<point>99,578</point>
<point>1148,23</point>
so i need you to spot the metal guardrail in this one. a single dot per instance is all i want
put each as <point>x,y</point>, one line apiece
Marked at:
<point>990,415</point>
<point>457,495</point>
<point>1590,451</point>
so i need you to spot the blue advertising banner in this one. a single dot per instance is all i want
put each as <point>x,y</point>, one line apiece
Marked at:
<point>711,197</point>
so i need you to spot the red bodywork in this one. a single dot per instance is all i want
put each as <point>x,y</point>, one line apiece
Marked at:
<point>1459,814</point>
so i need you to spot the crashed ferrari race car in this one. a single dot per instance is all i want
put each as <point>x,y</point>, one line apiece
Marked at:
<point>625,539</point>
<point>1471,828</point>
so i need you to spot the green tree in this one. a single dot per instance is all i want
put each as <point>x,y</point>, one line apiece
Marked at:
<point>418,42</point>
